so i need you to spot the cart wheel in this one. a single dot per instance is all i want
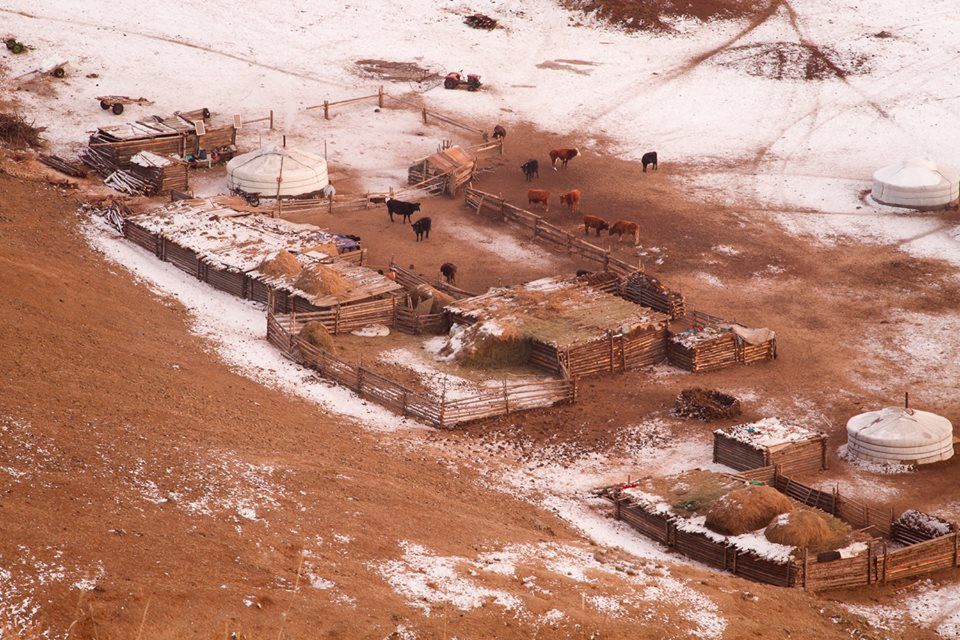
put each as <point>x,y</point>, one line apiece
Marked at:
<point>449,83</point>
<point>15,47</point>
<point>254,201</point>
<point>117,108</point>
<point>59,72</point>
<point>104,105</point>
<point>206,113</point>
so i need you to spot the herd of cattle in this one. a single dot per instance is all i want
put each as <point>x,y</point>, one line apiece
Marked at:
<point>531,171</point>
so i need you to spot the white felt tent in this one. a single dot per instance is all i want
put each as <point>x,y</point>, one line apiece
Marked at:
<point>256,172</point>
<point>896,434</point>
<point>918,183</point>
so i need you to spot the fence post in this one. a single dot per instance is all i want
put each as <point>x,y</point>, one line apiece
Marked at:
<point>443,402</point>
<point>423,112</point>
<point>806,566</point>
<point>506,398</point>
<point>616,509</point>
<point>380,97</point>
<point>884,579</point>
<point>501,146</point>
<point>326,109</point>
<point>955,548</point>
<point>403,410</point>
<point>271,119</point>
<point>360,378</point>
<point>336,321</point>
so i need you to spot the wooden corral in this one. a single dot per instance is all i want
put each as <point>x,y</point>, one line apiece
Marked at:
<point>225,248</point>
<point>443,172</point>
<point>575,329</point>
<point>111,148</point>
<point>701,342</point>
<point>437,410</point>
<point>794,448</point>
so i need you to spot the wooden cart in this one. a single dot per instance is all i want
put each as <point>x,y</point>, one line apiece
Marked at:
<point>116,103</point>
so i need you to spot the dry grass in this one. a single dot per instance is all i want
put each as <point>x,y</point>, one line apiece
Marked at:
<point>316,334</point>
<point>747,509</point>
<point>692,492</point>
<point>18,133</point>
<point>809,528</point>
<point>282,265</point>
<point>656,15</point>
<point>320,280</point>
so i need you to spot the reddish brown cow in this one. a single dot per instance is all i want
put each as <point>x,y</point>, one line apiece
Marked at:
<point>541,196</point>
<point>621,227</point>
<point>563,155</point>
<point>571,199</point>
<point>593,222</point>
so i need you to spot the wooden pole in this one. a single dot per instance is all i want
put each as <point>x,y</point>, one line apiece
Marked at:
<point>271,120</point>
<point>424,113</point>
<point>380,97</point>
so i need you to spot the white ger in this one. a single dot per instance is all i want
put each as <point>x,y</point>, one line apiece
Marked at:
<point>898,434</point>
<point>256,173</point>
<point>918,183</point>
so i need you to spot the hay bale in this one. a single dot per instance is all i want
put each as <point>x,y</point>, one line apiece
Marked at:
<point>747,509</point>
<point>486,345</point>
<point>320,280</point>
<point>706,404</point>
<point>281,265</point>
<point>809,528</point>
<point>316,334</point>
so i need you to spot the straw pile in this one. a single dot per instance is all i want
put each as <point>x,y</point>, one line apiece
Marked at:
<point>808,528</point>
<point>486,345</point>
<point>316,334</point>
<point>282,265</point>
<point>326,248</point>
<point>440,300</point>
<point>747,509</point>
<point>706,404</point>
<point>692,492</point>
<point>320,280</point>
<point>16,132</point>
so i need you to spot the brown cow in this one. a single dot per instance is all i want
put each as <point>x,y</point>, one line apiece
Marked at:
<point>593,222</point>
<point>563,155</point>
<point>621,227</point>
<point>571,199</point>
<point>541,196</point>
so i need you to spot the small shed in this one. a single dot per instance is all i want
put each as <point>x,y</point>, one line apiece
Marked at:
<point>163,173</point>
<point>568,326</point>
<point>277,171</point>
<point>443,172</point>
<point>900,435</point>
<point>771,441</point>
<point>917,183</point>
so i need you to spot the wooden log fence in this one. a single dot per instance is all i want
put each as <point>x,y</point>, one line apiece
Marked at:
<point>439,411</point>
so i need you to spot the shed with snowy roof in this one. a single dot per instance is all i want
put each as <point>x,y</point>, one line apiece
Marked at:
<point>570,326</point>
<point>900,435</point>
<point>917,183</point>
<point>787,444</point>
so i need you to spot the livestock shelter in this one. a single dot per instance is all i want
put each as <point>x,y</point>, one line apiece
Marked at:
<point>183,134</point>
<point>701,342</point>
<point>228,249</point>
<point>771,441</point>
<point>443,172</point>
<point>568,326</point>
<point>917,183</point>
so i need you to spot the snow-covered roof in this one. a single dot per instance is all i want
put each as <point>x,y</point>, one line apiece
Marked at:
<point>900,434</point>
<point>769,433</point>
<point>917,183</point>
<point>300,172</point>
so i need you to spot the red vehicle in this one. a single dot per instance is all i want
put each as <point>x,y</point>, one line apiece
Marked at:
<point>454,80</point>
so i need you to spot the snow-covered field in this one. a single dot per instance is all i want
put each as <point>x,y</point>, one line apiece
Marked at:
<point>796,144</point>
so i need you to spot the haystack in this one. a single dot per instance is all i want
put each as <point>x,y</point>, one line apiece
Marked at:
<point>440,300</point>
<point>706,404</point>
<point>320,280</point>
<point>326,248</point>
<point>316,334</point>
<point>489,345</point>
<point>747,509</point>
<point>807,528</point>
<point>282,265</point>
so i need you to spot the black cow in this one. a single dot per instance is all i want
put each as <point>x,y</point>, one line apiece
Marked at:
<point>531,168</point>
<point>650,157</point>
<point>422,228</point>
<point>401,208</point>
<point>449,272</point>
<point>499,132</point>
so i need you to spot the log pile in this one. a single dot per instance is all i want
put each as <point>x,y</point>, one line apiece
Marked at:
<point>63,166</point>
<point>706,404</point>
<point>127,182</point>
<point>648,291</point>
<point>480,21</point>
<point>163,174</point>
